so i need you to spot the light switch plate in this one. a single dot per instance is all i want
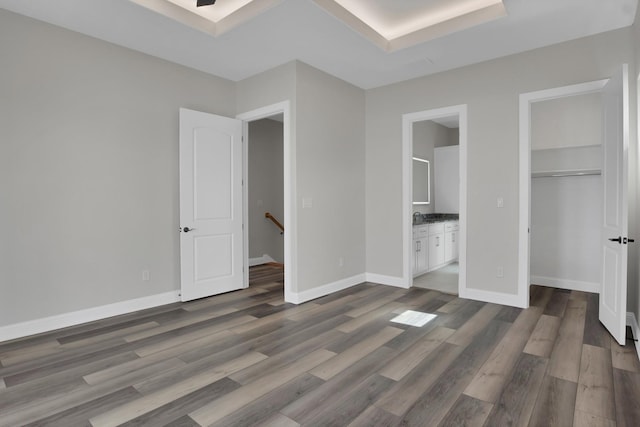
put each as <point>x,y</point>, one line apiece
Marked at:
<point>500,202</point>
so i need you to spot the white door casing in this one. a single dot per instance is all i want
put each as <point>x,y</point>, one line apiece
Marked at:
<point>613,295</point>
<point>211,240</point>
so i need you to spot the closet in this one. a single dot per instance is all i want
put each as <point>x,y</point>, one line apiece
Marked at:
<point>567,193</point>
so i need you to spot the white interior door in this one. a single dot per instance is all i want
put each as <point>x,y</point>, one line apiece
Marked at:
<point>211,252</point>
<point>613,296</point>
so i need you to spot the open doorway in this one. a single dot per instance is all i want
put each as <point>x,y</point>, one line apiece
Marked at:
<point>268,209</point>
<point>436,206</point>
<point>265,191</point>
<point>566,192</point>
<point>434,199</point>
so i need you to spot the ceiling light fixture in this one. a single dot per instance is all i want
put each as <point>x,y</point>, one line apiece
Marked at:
<point>226,16</point>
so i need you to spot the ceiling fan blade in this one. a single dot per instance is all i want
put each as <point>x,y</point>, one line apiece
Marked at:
<point>205,3</point>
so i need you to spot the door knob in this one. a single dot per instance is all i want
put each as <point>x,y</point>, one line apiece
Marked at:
<point>619,239</point>
<point>187,229</point>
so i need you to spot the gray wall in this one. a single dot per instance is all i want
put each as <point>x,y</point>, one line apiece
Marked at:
<point>265,188</point>
<point>566,230</point>
<point>88,141</point>
<point>491,91</point>
<point>330,163</point>
<point>327,138</point>
<point>271,87</point>
<point>571,121</point>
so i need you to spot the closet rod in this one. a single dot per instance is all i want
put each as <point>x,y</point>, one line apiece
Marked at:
<point>562,173</point>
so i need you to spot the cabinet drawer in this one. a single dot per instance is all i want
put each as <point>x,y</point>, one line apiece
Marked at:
<point>420,231</point>
<point>436,228</point>
<point>451,226</point>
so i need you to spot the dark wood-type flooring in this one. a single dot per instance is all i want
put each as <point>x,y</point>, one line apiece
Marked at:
<point>246,359</point>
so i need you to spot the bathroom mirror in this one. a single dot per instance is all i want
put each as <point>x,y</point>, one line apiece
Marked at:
<point>421,182</point>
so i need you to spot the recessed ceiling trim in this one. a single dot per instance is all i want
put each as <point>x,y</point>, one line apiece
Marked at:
<point>198,22</point>
<point>244,14</point>
<point>453,25</point>
<point>488,11</point>
<point>354,22</point>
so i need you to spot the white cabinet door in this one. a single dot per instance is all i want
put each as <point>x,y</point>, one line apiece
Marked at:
<point>436,250</point>
<point>415,257</point>
<point>422,258</point>
<point>451,241</point>
<point>450,247</point>
<point>420,250</point>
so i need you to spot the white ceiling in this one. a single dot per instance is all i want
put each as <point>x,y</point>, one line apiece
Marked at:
<point>301,29</point>
<point>452,122</point>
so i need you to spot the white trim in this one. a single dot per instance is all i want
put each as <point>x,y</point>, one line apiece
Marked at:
<point>407,189</point>
<point>329,288</point>
<point>524,204</point>
<point>381,279</point>
<point>46,324</point>
<point>290,213</point>
<point>572,285</point>
<point>492,297</point>
<point>260,260</point>
<point>632,322</point>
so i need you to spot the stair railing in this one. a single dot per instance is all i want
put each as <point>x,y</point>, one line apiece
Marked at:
<point>275,221</point>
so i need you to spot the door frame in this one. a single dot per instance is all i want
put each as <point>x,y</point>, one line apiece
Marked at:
<point>407,188</point>
<point>526,100</point>
<point>290,254</point>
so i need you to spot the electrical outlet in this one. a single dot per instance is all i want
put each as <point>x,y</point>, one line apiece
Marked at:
<point>500,272</point>
<point>500,202</point>
<point>341,262</point>
<point>145,275</point>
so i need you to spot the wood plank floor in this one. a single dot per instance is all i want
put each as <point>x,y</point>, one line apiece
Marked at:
<point>247,358</point>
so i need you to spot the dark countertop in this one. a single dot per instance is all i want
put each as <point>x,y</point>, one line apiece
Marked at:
<point>433,218</point>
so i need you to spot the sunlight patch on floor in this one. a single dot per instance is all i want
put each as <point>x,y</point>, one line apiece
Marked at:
<point>414,318</point>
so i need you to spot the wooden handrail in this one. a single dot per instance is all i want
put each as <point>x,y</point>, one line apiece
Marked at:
<point>275,221</point>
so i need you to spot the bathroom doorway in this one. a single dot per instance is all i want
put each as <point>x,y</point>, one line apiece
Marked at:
<point>434,146</point>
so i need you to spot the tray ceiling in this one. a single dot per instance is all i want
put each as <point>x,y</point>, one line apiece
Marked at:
<point>386,42</point>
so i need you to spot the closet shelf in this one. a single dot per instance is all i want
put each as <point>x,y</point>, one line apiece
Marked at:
<point>569,172</point>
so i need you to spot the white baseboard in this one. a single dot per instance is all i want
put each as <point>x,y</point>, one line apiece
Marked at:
<point>494,297</point>
<point>329,288</point>
<point>260,260</point>
<point>572,285</point>
<point>635,329</point>
<point>381,279</point>
<point>46,324</point>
